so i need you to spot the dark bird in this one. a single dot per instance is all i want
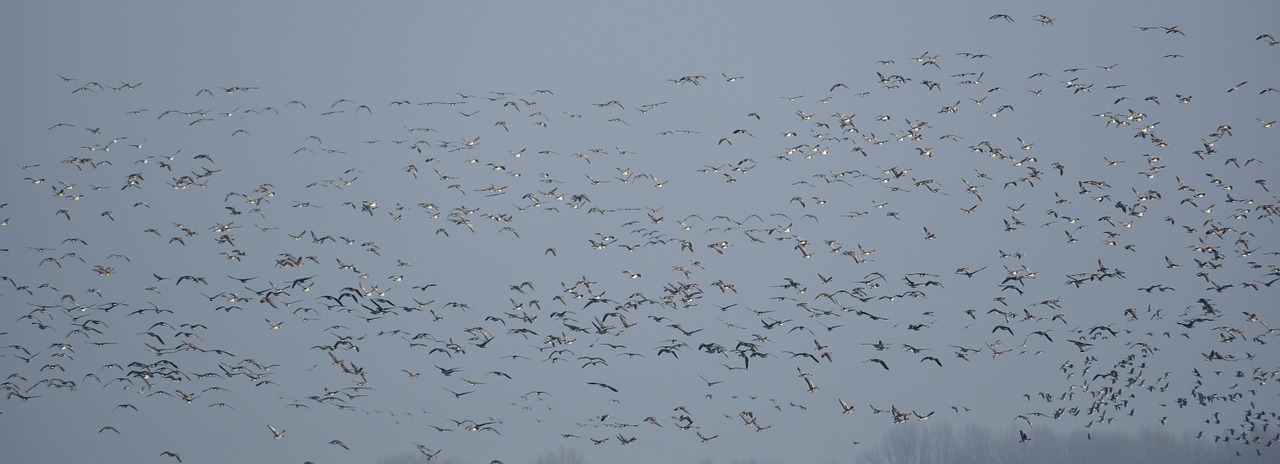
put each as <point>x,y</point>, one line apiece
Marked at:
<point>878,361</point>
<point>603,385</point>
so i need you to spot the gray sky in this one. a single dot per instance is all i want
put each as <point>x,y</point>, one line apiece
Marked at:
<point>801,152</point>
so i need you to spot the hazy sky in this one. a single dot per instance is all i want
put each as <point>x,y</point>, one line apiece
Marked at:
<point>462,227</point>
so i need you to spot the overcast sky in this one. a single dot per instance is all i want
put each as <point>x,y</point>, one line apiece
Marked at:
<point>484,232</point>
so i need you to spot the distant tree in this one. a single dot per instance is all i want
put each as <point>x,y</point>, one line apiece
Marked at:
<point>402,458</point>
<point>561,456</point>
<point>974,443</point>
<point>415,457</point>
<point>914,443</point>
<point>748,461</point>
<point>900,445</point>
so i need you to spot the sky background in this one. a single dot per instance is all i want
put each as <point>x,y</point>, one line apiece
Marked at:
<point>639,127</point>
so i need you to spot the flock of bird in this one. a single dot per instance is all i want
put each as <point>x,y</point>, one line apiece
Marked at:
<point>556,262</point>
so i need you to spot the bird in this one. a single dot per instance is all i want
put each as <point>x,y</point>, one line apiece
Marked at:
<point>845,408</point>
<point>1026,419</point>
<point>878,361</point>
<point>604,385</point>
<point>516,199</point>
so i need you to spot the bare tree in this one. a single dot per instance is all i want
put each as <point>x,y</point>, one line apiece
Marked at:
<point>561,456</point>
<point>914,443</point>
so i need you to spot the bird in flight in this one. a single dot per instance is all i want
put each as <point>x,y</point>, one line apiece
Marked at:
<point>604,385</point>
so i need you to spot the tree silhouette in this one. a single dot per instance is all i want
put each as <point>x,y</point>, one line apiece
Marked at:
<point>561,456</point>
<point>912,443</point>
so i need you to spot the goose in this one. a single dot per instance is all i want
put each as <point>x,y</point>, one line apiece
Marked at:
<point>603,385</point>
<point>809,382</point>
<point>458,394</point>
<point>845,407</point>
